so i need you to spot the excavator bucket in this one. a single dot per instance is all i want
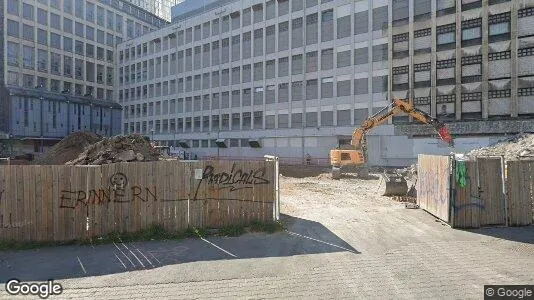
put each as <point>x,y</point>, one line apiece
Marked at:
<point>392,185</point>
<point>446,136</point>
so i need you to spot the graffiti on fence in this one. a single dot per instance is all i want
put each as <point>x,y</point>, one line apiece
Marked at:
<point>236,179</point>
<point>7,222</point>
<point>117,192</point>
<point>475,202</point>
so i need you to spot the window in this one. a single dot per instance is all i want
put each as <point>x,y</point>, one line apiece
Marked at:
<point>327,59</point>
<point>343,118</point>
<point>380,18</point>
<point>311,119</point>
<point>311,29</point>
<point>12,28</point>
<point>343,59</point>
<point>42,37</point>
<point>361,56</point>
<point>27,11</point>
<point>67,6</point>
<point>55,21</point>
<point>311,89</point>
<point>327,25</point>
<point>343,88</point>
<point>283,36</point>
<point>13,7</point>
<point>327,118</point>
<point>296,64</point>
<point>471,29</point>
<point>327,87</point>
<point>380,53</point>
<point>55,40</point>
<point>67,25</point>
<point>28,32</point>
<point>283,66</point>
<point>258,120</point>
<point>361,86</point>
<point>361,22</point>
<point>446,34</point>
<point>78,29</point>
<point>89,33</point>
<point>283,121</point>
<point>296,91</point>
<point>296,33</point>
<point>42,17</point>
<point>380,84</point>
<point>296,120</point>
<point>78,47</point>
<point>311,62</point>
<point>100,16</point>
<point>42,60</point>
<point>28,60</point>
<point>499,25</point>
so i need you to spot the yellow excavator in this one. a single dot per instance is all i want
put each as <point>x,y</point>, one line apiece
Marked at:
<point>353,156</point>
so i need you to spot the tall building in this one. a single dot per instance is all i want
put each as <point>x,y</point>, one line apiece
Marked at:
<point>468,62</point>
<point>285,77</point>
<point>160,8</point>
<point>58,68</point>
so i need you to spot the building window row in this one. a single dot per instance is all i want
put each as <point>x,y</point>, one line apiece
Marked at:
<point>303,31</point>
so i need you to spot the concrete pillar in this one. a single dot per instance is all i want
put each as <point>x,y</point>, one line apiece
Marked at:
<point>485,85</point>
<point>458,69</point>
<point>513,59</point>
<point>433,72</point>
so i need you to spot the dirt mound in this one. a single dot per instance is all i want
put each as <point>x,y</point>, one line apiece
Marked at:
<point>68,148</point>
<point>519,146</point>
<point>133,147</point>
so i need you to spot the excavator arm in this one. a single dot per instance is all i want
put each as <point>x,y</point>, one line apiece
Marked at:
<point>396,107</point>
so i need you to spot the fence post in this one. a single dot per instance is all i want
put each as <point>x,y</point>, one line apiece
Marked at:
<point>503,182</point>
<point>276,210</point>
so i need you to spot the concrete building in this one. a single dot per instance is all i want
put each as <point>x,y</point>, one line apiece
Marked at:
<point>246,78</point>
<point>288,74</point>
<point>469,62</point>
<point>160,8</point>
<point>58,68</point>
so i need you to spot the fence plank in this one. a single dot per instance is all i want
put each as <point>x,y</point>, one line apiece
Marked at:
<point>520,196</point>
<point>434,195</point>
<point>492,209</point>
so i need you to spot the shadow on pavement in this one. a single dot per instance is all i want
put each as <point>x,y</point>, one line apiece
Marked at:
<point>524,234</point>
<point>301,237</point>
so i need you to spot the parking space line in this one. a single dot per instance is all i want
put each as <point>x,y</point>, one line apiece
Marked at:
<point>327,243</point>
<point>133,265</point>
<point>218,247</point>
<point>124,245</point>
<point>159,262</point>
<point>81,265</point>
<point>142,254</point>
<point>120,261</point>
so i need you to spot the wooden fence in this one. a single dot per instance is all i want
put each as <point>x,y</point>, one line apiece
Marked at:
<point>495,192</point>
<point>62,203</point>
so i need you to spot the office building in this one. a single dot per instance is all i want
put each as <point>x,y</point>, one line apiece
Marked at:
<point>284,77</point>
<point>468,62</point>
<point>59,65</point>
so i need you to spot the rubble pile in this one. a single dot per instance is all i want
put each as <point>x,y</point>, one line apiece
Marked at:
<point>132,147</point>
<point>519,146</point>
<point>68,148</point>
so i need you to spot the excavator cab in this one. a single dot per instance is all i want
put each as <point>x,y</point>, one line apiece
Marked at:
<point>354,156</point>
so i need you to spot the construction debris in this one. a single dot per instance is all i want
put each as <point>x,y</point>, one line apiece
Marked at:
<point>117,149</point>
<point>518,146</point>
<point>68,148</point>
